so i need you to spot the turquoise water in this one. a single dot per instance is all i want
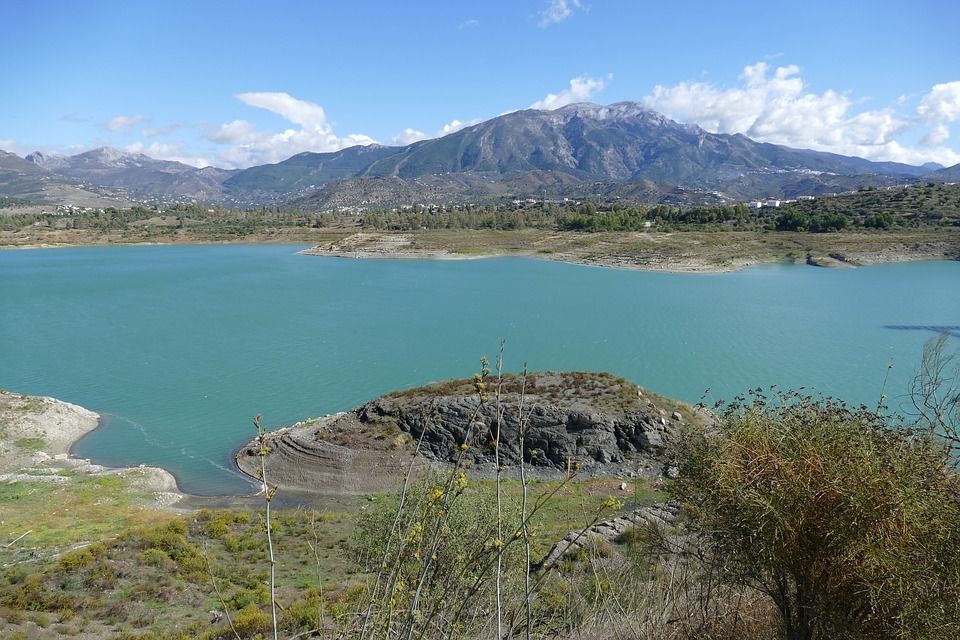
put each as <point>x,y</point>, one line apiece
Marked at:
<point>180,346</point>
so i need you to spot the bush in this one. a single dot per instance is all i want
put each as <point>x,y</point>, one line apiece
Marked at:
<point>251,620</point>
<point>849,525</point>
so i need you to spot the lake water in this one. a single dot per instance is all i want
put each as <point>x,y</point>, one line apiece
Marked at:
<point>180,346</point>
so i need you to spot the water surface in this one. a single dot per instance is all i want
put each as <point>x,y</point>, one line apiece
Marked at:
<point>180,346</point>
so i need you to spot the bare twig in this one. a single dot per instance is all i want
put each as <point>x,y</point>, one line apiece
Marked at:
<point>18,538</point>
<point>216,588</point>
<point>268,493</point>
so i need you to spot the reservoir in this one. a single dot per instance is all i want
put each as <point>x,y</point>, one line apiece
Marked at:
<point>178,347</point>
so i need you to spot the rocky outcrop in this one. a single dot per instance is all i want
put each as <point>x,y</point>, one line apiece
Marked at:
<point>554,436</point>
<point>596,423</point>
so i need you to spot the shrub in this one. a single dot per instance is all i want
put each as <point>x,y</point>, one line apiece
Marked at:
<point>849,525</point>
<point>251,620</point>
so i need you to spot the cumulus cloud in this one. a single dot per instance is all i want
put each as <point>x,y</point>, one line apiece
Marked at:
<point>409,136</point>
<point>940,107</point>
<point>472,23</point>
<point>581,89</point>
<point>247,145</point>
<point>557,11</point>
<point>122,123</point>
<point>937,136</point>
<point>942,104</point>
<point>235,132</point>
<point>777,107</point>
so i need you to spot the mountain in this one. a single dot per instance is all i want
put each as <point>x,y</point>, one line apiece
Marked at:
<point>24,181</point>
<point>948,174</point>
<point>137,174</point>
<point>596,148</point>
<point>303,172</point>
<point>619,142</point>
<point>580,150</point>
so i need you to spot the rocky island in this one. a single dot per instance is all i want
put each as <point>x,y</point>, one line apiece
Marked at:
<point>597,423</point>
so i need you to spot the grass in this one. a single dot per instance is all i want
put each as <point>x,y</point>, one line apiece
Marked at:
<point>30,444</point>
<point>600,389</point>
<point>574,506</point>
<point>150,572</point>
<point>88,508</point>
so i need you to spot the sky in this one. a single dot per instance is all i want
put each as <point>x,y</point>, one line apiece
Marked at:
<point>238,83</point>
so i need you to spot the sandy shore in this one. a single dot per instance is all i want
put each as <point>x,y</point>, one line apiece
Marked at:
<point>681,252</point>
<point>393,246</point>
<point>37,433</point>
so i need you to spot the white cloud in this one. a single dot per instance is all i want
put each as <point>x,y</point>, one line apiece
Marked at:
<point>10,146</point>
<point>306,114</point>
<point>557,11</point>
<point>472,23</point>
<point>942,104</point>
<point>247,146</point>
<point>235,132</point>
<point>409,136</point>
<point>120,123</point>
<point>456,125</point>
<point>581,89</point>
<point>778,108</point>
<point>937,136</point>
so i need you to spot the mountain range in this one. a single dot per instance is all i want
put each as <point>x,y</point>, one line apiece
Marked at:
<point>621,150</point>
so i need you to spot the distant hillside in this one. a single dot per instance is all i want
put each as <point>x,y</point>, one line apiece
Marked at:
<point>138,174</point>
<point>927,203</point>
<point>26,183</point>
<point>950,174</point>
<point>303,172</point>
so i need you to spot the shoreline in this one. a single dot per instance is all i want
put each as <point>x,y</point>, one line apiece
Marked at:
<point>684,266</point>
<point>44,431</point>
<point>683,252</point>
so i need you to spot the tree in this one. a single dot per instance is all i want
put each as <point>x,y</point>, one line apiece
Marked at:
<point>850,526</point>
<point>792,220</point>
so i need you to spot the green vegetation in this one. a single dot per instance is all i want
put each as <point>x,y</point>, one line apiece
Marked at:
<point>155,577</point>
<point>30,444</point>
<point>930,205</point>
<point>926,204</point>
<point>850,526</point>
<point>914,206</point>
<point>60,514</point>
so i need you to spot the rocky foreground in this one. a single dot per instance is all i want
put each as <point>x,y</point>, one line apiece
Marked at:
<point>597,423</point>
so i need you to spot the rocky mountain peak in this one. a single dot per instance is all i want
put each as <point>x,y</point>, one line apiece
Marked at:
<point>46,160</point>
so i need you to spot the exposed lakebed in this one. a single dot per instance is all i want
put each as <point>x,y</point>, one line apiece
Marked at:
<point>180,346</point>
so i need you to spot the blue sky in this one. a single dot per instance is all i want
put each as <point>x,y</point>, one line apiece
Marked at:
<point>240,83</point>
